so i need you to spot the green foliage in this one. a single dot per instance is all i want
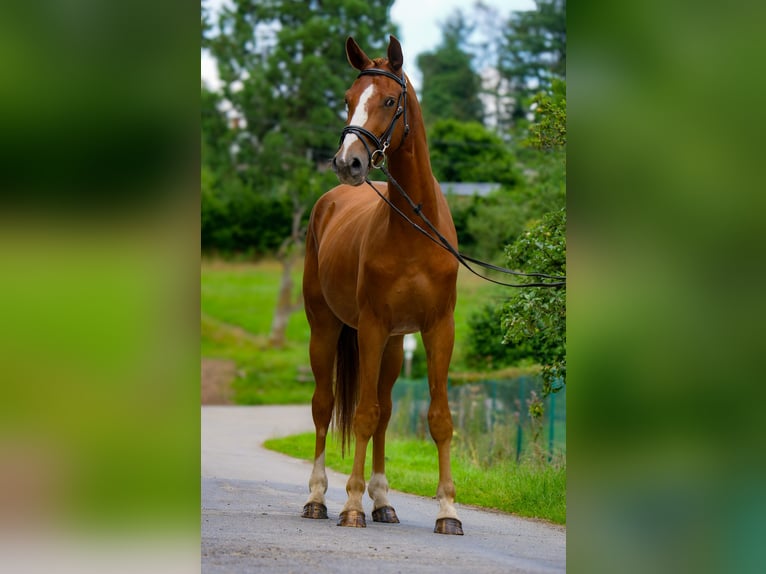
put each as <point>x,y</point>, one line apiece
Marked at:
<point>236,220</point>
<point>534,51</point>
<point>463,208</point>
<point>467,151</point>
<point>487,348</point>
<point>550,131</point>
<point>486,225</point>
<point>534,319</point>
<point>215,134</point>
<point>537,315</point>
<point>450,85</point>
<point>496,221</point>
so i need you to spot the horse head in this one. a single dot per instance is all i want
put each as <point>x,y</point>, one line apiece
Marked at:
<point>375,101</point>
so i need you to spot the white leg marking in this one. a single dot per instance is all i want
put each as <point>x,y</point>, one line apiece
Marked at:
<point>446,506</point>
<point>378,490</point>
<point>446,509</point>
<point>358,119</point>
<point>318,481</point>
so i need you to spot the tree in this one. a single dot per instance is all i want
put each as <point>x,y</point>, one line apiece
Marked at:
<point>533,52</point>
<point>233,217</point>
<point>450,85</point>
<point>216,134</point>
<point>284,73</point>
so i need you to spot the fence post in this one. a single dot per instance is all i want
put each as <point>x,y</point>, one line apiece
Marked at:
<point>490,406</point>
<point>551,420</point>
<point>521,414</point>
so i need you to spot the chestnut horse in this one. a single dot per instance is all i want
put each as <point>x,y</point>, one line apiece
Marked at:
<point>369,279</point>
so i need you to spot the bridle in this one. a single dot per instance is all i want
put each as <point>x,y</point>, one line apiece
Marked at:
<point>377,157</point>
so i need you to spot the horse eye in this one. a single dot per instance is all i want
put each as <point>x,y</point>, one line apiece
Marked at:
<point>389,102</point>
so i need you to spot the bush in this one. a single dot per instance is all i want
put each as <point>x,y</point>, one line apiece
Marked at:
<point>468,151</point>
<point>487,347</point>
<point>537,315</point>
<point>235,219</point>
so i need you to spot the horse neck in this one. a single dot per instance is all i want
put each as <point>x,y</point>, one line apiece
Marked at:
<point>410,166</point>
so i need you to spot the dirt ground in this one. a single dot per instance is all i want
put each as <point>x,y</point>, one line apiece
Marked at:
<point>217,375</point>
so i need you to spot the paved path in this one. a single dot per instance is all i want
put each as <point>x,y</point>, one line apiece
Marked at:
<point>252,499</point>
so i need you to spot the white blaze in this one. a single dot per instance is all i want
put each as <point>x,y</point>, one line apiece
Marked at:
<point>358,119</point>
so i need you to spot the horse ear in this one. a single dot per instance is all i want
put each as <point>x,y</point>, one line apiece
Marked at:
<point>395,58</point>
<point>356,56</point>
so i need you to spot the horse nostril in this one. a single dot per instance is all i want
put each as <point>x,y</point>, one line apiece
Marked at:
<point>335,164</point>
<point>356,165</point>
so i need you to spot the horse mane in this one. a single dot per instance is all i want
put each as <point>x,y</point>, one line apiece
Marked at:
<point>381,63</point>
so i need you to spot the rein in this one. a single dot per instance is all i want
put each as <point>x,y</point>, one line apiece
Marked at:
<point>377,158</point>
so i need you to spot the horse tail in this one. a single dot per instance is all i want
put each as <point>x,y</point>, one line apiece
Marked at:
<point>346,383</point>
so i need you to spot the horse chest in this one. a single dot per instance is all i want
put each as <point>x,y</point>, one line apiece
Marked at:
<point>407,300</point>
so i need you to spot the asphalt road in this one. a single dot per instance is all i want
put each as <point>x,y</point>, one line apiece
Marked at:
<point>252,500</point>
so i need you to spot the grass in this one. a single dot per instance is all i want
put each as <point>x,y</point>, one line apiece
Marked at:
<point>472,294</point>
<point>237,304</point>
<point>527,489</point>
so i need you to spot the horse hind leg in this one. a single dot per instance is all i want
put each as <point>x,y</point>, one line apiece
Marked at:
<point>377,488</point>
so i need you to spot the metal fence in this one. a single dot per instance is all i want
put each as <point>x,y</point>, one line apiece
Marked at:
<point>491,418</point>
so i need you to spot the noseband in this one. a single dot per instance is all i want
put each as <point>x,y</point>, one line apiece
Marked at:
<point>377,157</point>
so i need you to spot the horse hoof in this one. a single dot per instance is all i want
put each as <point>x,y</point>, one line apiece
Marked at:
<point>314,510</point>
<point>449,526</point>
<point>385,514</point>
<point>352,518</point>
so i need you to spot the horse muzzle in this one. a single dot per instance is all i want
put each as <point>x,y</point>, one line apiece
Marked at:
<point>351,170</point>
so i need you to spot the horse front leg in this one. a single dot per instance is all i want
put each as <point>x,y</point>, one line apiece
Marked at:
<point>372,340</point>
<point>439,342</point>
<point>390,368</point>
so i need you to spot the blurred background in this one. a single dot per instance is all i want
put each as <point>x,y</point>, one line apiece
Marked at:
<point>99,287</point>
